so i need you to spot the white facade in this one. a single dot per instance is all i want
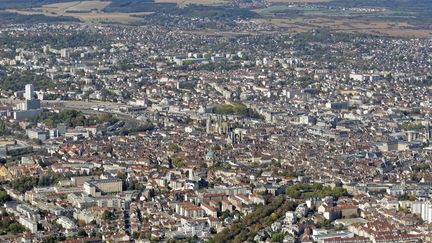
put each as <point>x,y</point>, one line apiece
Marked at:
<point>66,223</point>
<point>37,134</point>
<point>29,92</point>
<point>31,225</point>
<point>423,209</point>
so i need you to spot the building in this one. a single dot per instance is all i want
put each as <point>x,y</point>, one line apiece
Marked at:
<point>36,134</point>
<point>80,180</point>
<point>66,223</point>
<point>22,115</point>
<point>28,211</point>
<point>81,202</point>
<point>423,209</point>
<point>110,202</point>
<point>30,107</point>
<point>209,210</point>
<point>196,228</point>
<point>98,187</point>
<point>29,92</point>
<point>321,235</point>
<point>188,209</point>
<point>14,150</point>
<point>337,105</point>
<point>65,53</point>
<point>348,210</point>
<point>30,224</point>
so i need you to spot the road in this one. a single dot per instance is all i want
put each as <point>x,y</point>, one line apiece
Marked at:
<point>127,218</point>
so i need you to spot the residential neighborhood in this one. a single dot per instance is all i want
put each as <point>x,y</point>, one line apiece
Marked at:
<point>161,133</point>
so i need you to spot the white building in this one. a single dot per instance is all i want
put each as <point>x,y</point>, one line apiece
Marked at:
<point>30,107</point>
<point>29,92</point>
<point>423,209</point>
<point>31,225</point>
<point>192,228</point>
<point>65,53</point>
<point>36,134</point>
<point>290,217</point>
<point>66,223</point>
<point>84,215</point>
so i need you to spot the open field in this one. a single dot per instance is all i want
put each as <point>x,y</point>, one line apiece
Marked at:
<point>333,15</point>
<point>89,17</point>
<point>185,2</point>
<point>298,1</point>
<point>76,6</point>
<point>88,11</point>
<point>302,24</point>
<point>89,6</point>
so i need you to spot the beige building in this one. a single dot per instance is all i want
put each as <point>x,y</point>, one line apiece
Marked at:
<point>188,209</point>
<point>98,187</point>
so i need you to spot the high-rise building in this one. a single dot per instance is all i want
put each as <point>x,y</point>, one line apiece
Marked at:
<point>30,107</point>
<point>65,53</point>
<point>29,92</point>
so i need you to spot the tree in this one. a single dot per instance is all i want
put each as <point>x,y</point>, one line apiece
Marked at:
<point>173,147</point>
<point>108,216</point>
<point>273,216</point>
<point>44,180</point>
<point>9,225</point>
<point>15,228</point>
<point>24,184</point>
<point>262,217</point>
<point>4,197</point>
<point>4,130</point>
<point>137,235</point>
<point>122,175</point>
<point>304,191</point>
<point>236,109</point>
<point>406,197</point>
<point>277,237</point>
<point>326,224</point>
<point>225,214</point>
<point>421,167</point>
<point>82,233</point>
<point>17,80</point>
<point>177,162</point>
<point>71,118</point>
<point>106,117</point>
<point>132,185</point>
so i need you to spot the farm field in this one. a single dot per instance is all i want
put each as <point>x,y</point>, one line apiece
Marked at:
<point>303,24</point>
<point>185,2</point>
<point>289,15</point>
<point>76,6</point>
<point>298,1</point>
<point>87,11</point>
<point>90,17</point>
<point>368,17</point>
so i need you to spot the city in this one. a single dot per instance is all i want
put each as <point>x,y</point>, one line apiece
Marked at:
<point>201,129</point>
